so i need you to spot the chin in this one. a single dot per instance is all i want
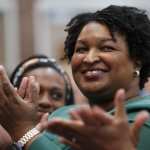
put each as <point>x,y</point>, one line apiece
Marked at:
<point>90,93</point>
<point>97,92</point>
<point>92,88</point>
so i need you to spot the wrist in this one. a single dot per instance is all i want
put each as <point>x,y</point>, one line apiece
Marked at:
<point>27,137</point>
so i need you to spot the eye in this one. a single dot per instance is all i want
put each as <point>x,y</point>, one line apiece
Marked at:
<point>107,48</point>
<point>81,49</point>
<point>56,96</point>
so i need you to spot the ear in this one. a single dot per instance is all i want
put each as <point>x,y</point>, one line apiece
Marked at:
<point>137,68</point>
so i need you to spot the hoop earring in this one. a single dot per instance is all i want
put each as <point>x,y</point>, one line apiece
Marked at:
<point>136,73</point>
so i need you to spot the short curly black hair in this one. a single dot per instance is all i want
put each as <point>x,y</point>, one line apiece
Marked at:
<point>131,22</point>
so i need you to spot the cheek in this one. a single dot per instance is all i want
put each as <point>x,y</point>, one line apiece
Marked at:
<point>59,104</point>
<point>119,61</point>
<point>124,67</point>
<point>76,61</point>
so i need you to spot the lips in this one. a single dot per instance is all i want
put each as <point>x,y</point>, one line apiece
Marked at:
<point>94,73</point>
<point>44,110</point>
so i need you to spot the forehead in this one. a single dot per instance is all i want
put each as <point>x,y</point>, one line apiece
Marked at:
<point>94,27</point>
<point>47,76</point>
<point>99,33</point>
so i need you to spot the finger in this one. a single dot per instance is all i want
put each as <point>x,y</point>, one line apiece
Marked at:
<point>7,87</point>
<point>23,87</point>
<point>101,117</point>
<point>73,145</point>
<point>94,116</point>
<point>84,113</point>
<point>71,131</point>
<point>3,97</point>
<point>42,125</point>
<point>139,121</point>
<point>35,89</point>
<point>65,128</point>
<point>16,89</point>
<point>119,104</point>
<point>29,87</point>
<point>32,90</point>
<point>74,115</point>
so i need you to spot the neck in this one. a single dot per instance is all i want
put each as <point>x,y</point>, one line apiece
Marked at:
<point>107,102</point>
<point>133,90</point>
<point>102,101</point>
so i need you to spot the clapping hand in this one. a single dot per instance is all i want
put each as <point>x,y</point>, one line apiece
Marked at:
<point>17,113</point>
<point>93,128</point>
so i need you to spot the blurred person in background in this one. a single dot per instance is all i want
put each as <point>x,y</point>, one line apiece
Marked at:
<point>55,87</point>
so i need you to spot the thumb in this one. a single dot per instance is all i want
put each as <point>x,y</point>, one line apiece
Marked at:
<point>119,104</point>
<point>42,125</point>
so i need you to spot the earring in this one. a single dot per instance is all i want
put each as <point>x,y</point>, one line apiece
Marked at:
<point>136,73</point>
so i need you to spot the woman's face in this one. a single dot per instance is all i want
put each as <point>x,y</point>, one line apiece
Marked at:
<point>52,89</point>
<point>100,64</point>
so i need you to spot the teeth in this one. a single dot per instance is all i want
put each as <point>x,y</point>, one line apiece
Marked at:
<point>92,72</point>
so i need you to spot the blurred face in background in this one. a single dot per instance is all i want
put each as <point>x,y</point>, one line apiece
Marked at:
<point>52,89</point>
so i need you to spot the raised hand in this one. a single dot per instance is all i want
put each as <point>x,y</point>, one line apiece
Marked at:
<point>17,115</point>
<point>93,128</point>
<point>29,89</point>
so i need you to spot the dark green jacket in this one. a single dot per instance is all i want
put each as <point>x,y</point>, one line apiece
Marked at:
<point>48,141</point>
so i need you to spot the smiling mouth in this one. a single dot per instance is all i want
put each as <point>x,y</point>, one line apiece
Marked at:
<point>94,74</point>
<point>94,70</point>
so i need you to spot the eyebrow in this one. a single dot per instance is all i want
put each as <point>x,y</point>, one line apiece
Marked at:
<point>100,40</point>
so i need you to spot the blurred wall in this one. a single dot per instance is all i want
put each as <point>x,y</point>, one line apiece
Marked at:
<point>30,27</point>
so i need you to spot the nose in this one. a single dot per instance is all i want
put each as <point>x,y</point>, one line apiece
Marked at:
<point>45,102</point>
<point>92,56</point>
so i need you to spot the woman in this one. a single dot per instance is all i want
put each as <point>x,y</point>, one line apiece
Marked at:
<point>55,87</point>
<point>109,50</point>
<point>109,53</point>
